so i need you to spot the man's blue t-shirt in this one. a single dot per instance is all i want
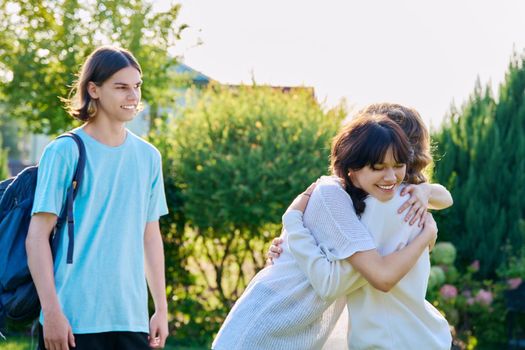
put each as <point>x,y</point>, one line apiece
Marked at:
<point>105,288</point>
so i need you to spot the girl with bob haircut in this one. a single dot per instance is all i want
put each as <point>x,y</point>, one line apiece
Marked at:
<point>282,308</point>
<point>405,320</point>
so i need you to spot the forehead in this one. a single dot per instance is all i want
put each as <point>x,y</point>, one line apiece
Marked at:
<point>128,75</point>
<point>389,157</point>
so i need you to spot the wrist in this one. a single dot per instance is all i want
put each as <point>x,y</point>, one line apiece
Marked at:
<point>51,310</point>
<point>161,309</point>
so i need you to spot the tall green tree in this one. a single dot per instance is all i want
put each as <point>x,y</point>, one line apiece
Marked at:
<point>482,150</point>
<point>233,163</point>
<point>43,44</point>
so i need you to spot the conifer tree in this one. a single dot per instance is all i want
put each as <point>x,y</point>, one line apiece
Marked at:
<point>482,151</point>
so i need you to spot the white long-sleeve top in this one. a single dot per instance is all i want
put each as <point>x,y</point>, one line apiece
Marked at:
<point>399,319</point>
<point>280,308</point>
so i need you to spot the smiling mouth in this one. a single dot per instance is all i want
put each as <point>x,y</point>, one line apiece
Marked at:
<point>386,187</point>
<point>129,107</point>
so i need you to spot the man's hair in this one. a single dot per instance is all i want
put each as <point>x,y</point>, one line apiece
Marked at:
<point>98,67</point>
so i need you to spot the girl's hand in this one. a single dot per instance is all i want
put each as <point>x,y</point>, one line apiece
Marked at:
<point>418,203</point>
<point>430,228</point>
<point>275,251</point>
<point>301,201</point>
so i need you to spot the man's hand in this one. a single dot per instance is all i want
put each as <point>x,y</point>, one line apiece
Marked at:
<point>57,331</point>
<point>158,330</point>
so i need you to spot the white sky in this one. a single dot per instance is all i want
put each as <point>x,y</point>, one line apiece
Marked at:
<point>425,54</point>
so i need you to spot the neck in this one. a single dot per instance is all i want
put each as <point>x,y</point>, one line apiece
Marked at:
<point>110,133</point>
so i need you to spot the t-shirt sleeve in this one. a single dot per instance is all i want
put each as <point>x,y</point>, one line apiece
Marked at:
<point>55,174</point>
<point>157,205</point>
<point>331,211</point>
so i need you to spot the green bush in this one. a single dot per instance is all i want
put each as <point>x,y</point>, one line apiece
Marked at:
<point>476,309</point>
<point>233,162</point>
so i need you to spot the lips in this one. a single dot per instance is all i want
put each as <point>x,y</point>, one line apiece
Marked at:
<point>129,107</point>
<point>387,187</point>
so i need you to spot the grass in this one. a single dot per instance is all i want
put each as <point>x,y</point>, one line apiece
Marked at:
<point>24,343</point>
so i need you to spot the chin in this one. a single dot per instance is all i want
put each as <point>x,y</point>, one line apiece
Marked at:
<point>384,197</point>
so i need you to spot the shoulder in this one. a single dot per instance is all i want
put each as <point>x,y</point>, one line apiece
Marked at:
<point>145,147</point>
<point>64,147</point>
<point>330,187</point>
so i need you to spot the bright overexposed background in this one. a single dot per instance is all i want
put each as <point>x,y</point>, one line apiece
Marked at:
<point>426,54</point>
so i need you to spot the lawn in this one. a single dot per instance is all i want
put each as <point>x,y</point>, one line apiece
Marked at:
<point>24,343</point>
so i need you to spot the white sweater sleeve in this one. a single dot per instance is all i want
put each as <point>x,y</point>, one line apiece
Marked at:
<point>330,278</point>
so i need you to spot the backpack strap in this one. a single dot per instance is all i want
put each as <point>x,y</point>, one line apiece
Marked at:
<point>67,211</point>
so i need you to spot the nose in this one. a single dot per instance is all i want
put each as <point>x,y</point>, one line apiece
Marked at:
<point>390,175</point>
<point>134,94</point>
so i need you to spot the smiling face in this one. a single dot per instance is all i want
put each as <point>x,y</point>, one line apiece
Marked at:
<point>119,96</point>
<point>380,180</point>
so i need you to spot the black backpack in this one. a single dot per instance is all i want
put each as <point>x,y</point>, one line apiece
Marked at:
<point>18,296</point>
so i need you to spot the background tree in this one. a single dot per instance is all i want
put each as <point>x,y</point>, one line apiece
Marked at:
<point>233,163</point>
<point>4,171</point>
<point>483,164</point>
<point>43,44</point>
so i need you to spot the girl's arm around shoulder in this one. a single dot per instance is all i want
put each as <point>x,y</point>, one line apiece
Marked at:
<point>329,278</point>
<point>384,272</point>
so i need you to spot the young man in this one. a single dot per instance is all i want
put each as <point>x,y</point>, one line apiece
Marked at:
<point>100,300</point>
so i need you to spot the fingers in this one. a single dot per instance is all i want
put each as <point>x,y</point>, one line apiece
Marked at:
<point>405,190</point>
<point>408,203</point>
<point>71,338</point>
<point>276,249</point>
<point>311,188</point>
<point>415,206</point>
<point>277,241</point>
<point>417,216</point>
<point>272,255</point>
<point>154,337</point>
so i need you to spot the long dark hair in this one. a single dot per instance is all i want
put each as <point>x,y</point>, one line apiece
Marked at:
<point>417,133</point>
<point>365,141</point>
<point>98,67</point>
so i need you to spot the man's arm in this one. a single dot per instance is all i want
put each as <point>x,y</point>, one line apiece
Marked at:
<point>154,260</point>
<point>57,331</point>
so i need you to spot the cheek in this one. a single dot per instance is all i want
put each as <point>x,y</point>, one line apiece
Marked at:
<point>400,174</point>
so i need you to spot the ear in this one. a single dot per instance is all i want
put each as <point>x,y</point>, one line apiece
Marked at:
<point>92,90</point>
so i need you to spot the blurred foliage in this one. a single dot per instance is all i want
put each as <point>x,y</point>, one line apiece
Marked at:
<point>44,43</point>
<point>481,161</point>
<point>4,171</point>
<point>474,308</point>
<point>233,162</point>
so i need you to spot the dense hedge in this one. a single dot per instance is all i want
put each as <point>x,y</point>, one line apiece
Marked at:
<point>233,161</point>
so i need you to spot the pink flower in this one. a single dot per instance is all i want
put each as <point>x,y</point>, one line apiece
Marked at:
<point>448,291</point>
<point>475,265</point>
<point>470,301</point>
<point>514,283</point>
<point>484,297</point>
<point>467,293</point>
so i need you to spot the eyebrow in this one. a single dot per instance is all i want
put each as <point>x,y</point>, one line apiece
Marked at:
<point>124,84</point>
